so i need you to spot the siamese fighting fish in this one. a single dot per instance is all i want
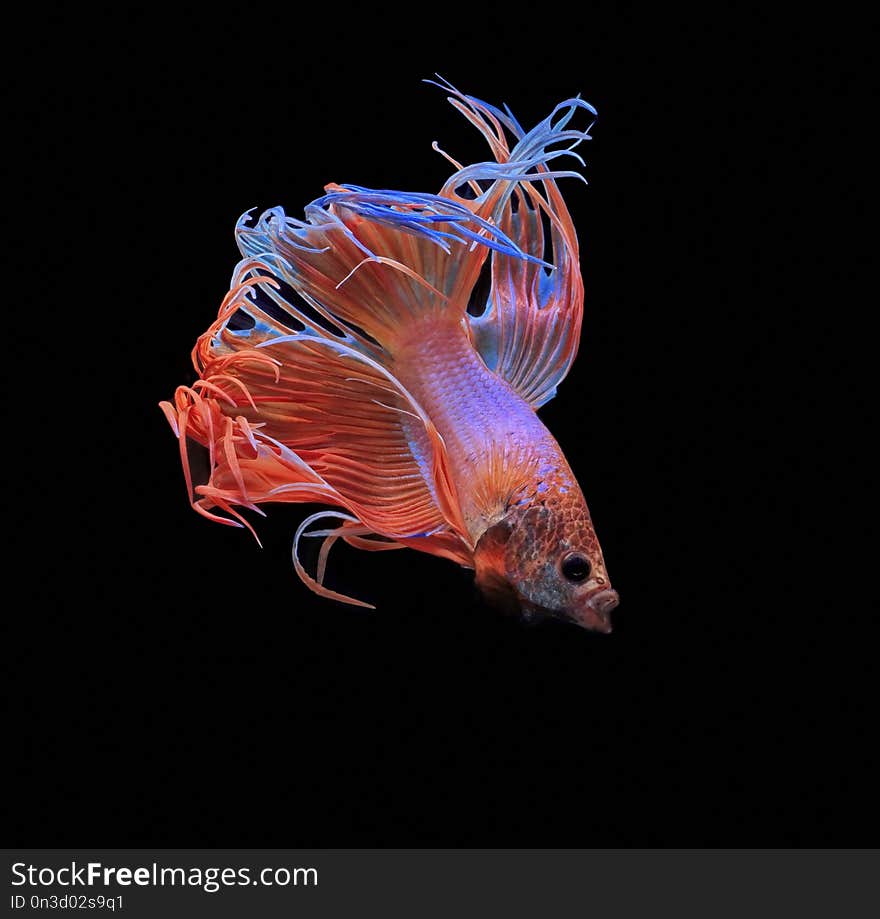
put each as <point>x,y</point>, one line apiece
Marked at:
<point>359,361</point>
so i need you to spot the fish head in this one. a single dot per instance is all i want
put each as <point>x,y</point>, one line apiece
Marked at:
<point>545,560</point>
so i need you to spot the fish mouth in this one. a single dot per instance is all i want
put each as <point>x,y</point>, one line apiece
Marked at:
<point>595,613</point>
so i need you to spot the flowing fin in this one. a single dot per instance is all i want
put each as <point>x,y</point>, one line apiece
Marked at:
<point>330,536</point>
<point>529,329</point>
<point>370,263</point>
<point>305,417</point>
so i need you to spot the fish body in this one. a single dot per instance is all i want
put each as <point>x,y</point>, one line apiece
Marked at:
<point>348,366</point>
<point>509,473</point>
<point>486,426</point>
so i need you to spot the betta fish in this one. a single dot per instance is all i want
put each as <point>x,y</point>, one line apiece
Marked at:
<point>355,363</point>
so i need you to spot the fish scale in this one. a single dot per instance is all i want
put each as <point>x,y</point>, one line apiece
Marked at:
<point>481,419</point>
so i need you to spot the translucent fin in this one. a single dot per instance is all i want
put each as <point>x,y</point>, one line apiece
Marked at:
<point>304,417</point>
<point>529,329</point>
<point>370,262</point>
<point>317,583</point>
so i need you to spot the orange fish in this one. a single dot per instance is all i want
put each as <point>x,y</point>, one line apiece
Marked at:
<point>352,364</point>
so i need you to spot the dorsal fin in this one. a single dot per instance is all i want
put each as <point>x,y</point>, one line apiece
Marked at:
<point>529,330</point>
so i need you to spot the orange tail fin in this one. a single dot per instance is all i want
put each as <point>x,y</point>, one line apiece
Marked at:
<point>370,263</point>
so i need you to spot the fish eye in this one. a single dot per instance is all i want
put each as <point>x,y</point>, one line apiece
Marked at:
<point>575,567</point>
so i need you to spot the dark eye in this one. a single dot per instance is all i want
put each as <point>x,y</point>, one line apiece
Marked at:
<point>575,567</point>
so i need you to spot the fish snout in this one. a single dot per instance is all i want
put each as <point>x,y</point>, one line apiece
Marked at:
<point>595,613</point>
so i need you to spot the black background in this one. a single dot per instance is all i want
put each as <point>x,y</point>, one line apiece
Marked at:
<point>173,684</point>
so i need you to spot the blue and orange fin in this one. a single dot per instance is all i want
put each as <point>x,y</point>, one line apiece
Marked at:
<point>303,417</point>
<point>529,329</point>
<point>371,263</point>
